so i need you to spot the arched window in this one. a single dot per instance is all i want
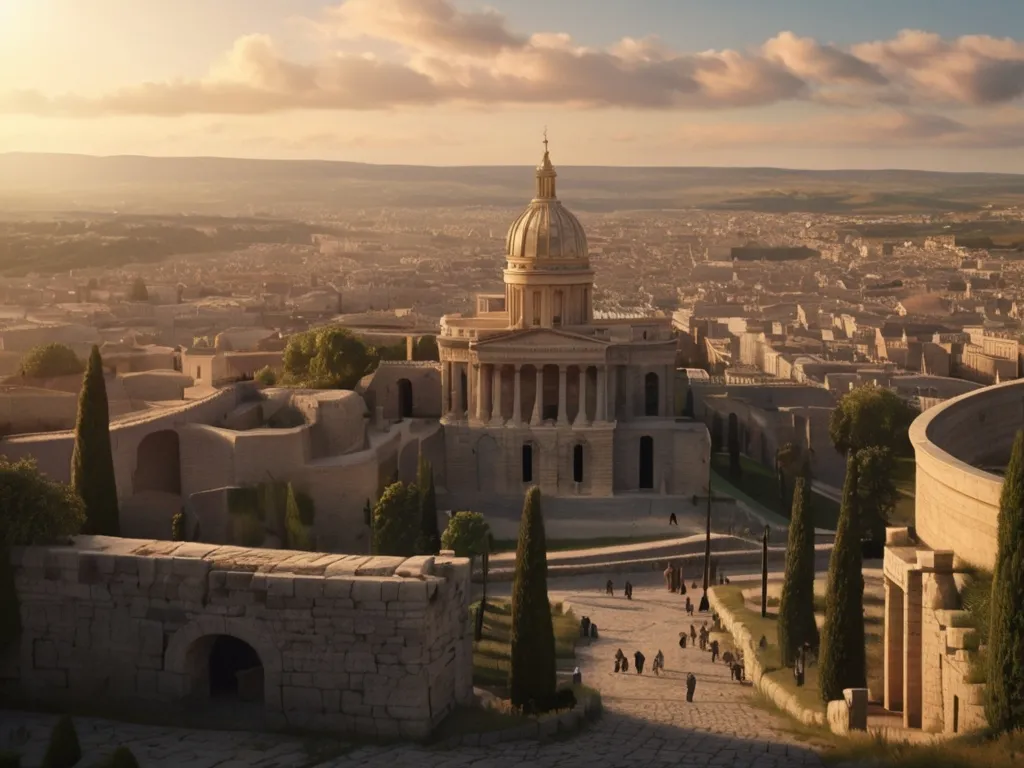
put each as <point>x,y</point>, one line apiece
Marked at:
<point>651,392</point>
<point>404,399</point>
<point>577,464</point>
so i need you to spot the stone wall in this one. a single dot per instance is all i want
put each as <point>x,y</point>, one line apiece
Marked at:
<point>378,646</point>
<point>956,503</point>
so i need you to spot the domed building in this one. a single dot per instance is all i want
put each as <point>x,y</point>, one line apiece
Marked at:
<point>538,391</point>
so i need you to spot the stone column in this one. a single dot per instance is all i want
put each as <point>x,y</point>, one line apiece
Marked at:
<point>912,651</point>
<point>538,398</point>
<point>446,388</point>
<point>479,387</point>
<point>496,418</point>
<point>600,413</point>
<point>668,395</point>
<point>581,399</point>
<point>563,375</point>
<point>892,653</point>
<point>517,402</point>
<point>460,414</point>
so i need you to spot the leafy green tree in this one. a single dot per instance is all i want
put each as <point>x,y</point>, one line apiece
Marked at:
<point>431,538</point>
<point>48,361</point>
<point>122,758</point>
<point>796,624</point>
<point>296,532</point>
<point>876,492</point>
<point>327,358</point>
<point>426,349</point>
<point>63,751</point>
<point>396,521</point>
<point>138,291</point>
<point>1004,692</point>
<point>36,510</point>
<point>532,657</point>
<point>842,662</point>
<point>468,534</point>
<point>92,461</point>
<point>735,468</point>
<point>869,417</point>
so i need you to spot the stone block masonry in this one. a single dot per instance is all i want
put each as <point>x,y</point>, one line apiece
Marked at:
<point>345,643</point>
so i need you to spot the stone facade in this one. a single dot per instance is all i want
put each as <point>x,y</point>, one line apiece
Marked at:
<point>378,646</point>
<point>538,390</point>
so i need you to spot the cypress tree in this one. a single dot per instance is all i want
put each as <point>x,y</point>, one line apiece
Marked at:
<point>123,758</point>
<point>796,624</point>
<point>842,662</point>
<point>431,537</point>
<point>92,462</point>
<point>532,658</point>
<point>1004,693</point>
<point>63,751</point>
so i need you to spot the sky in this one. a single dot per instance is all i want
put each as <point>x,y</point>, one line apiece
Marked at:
<point>924,84</point>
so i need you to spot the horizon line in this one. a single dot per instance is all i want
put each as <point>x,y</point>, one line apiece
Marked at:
<point>11,153</point>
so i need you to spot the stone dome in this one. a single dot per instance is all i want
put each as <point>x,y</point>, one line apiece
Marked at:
<point>546,230</point>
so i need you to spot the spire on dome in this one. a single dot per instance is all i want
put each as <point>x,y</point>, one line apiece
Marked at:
<point>546,174</point>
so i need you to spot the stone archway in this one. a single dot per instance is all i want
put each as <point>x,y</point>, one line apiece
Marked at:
<point>158,463</point>
<point>222,655</point>
<point>404,399</point>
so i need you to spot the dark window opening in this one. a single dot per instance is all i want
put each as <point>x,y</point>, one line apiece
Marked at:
<point>651,392</point>
<point>646,463</point>
<point>527,463</point>
<point>577,464</point>
<point>549,412</point>
<point>404,399</point>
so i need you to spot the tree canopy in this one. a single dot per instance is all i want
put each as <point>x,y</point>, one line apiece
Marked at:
<point>876,491</point>
<point>327,358</point>
<point>48,361</point>
<point>396,521</point>
<point>92,460</point>
<point>36,510</point>
<point>868,417</point>
<point>796,624</point>
<point>426,349</point>
<point>467,534</point>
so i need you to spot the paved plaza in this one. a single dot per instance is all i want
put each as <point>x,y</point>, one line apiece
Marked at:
<point>646,720</point>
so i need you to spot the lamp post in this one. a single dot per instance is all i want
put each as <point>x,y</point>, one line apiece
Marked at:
<point>705,606</point>
<point>764,572</point>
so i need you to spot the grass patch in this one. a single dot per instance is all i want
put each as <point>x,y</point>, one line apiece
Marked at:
<point>491,656</point>
<point>760,483</point>
<point>565,545</point>
<point>969,751</point>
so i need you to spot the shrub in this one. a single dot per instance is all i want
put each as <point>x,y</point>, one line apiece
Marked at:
<point>92,461</point>
<point>122,758</point>
<point>63,750</point>
<point>532,654</point>
<point>36,510</point>
<point>296,534</point>
<point>178,526</point>
<point>467,534</point>
<point>396,521</point>
<point>49,361</point>
<point>266,376</point>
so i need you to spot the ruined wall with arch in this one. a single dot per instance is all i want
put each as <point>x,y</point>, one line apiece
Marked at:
<point>347,643</point>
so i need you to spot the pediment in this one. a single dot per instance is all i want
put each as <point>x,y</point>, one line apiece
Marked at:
<point>541,338</point>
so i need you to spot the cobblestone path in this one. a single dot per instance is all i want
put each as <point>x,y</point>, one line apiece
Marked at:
<point>646,720</point>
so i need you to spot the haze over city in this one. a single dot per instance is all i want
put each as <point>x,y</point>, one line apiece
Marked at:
<point>555,383</point>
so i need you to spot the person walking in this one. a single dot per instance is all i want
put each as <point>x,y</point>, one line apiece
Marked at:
<point>638,660</point>
<point>659,662</point>
<point>714,651</point>
<point>672,520</point>
<point>691,686</point>
<point>629,591</point>
<point>608,588</point>
<point>620,657</point>
<point>693,634</point>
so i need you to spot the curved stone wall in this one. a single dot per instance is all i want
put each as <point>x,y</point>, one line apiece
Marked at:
<point>957,504</point>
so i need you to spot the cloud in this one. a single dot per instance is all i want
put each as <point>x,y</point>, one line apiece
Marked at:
<point>439,54</point>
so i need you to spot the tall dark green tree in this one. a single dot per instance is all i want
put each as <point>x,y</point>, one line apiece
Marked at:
<point>842,662</point>
<point>796,624</point>
<point>735,469</point>
<point>92,461</point>
<point>1004,693</point>
<point>532,662</point>
<point>63,751</point>
<point>430,543</point>
<point>877,492</point>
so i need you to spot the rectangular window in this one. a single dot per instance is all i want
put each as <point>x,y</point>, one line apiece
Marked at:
<point>527,463</point>
<point>537,306</point>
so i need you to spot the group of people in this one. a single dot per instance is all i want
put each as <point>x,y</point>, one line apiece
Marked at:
<point>622,662</point>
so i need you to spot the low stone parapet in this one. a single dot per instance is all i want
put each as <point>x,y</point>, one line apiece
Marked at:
<point>849,713</point>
